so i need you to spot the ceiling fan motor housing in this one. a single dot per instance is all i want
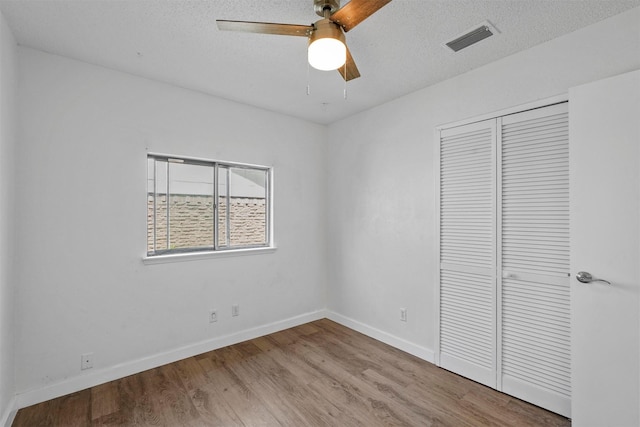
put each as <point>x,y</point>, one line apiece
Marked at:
<point>326,29</point>
<point>320,6</point>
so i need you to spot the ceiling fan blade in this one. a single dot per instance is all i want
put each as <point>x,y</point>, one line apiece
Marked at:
<point>349,71</point>
<point>355,12</point>
<point>265,28</point>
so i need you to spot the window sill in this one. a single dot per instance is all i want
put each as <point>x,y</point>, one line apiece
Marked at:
<point>193,256</point>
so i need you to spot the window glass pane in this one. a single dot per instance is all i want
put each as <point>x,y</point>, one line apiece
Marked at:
<point>150,201</point>
<point>182,214</point>
<point>161,204</point>
<point>191,206</point>
<point>248,207</point>
<point>222,206</point>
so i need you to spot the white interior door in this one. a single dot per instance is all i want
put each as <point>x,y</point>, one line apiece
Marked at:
<point>467,274</point>
<point>605,241</point>
<point>533,298</point>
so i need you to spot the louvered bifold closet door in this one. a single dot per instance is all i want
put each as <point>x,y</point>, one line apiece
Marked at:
<point>535,318</point>
<point>467,275</point>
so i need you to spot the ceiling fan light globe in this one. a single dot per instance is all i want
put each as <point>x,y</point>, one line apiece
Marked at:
<point>327,54</point>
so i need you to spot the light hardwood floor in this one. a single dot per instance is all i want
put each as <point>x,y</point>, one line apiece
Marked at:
<point>318,374</point>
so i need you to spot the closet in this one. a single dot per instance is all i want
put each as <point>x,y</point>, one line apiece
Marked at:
<point>503,282</point>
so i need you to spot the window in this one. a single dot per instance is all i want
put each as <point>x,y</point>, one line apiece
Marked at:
<point>196,205</point>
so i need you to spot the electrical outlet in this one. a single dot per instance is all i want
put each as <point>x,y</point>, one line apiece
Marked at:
<point>403,314</point>
<point>235,310</point>
<point>213,316</point>
<point>86,361</point>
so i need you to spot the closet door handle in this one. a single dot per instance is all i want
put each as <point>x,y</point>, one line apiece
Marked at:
<point>585,277</point>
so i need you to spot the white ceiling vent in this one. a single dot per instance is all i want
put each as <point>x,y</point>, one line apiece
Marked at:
<point>472,36</point>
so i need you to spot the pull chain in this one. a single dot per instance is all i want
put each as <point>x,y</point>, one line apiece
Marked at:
<point>345,81</point>
<point>308,85</point>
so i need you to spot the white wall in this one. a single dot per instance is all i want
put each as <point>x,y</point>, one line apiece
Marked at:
<point>82,284</point>
<point>7,157</point>
<point>382,175</point>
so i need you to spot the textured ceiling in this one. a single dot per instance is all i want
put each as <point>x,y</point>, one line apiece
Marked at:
<point>398,50</point>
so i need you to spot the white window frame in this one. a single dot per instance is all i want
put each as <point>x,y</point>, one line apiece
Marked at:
<point>216,250</point>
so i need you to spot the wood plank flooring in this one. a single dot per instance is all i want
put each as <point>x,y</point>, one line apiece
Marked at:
<point>317,374</point>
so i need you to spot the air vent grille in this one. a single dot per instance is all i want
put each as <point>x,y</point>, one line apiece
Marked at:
<point>473,36</point>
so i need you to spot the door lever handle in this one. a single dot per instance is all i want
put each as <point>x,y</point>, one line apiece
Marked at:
<point>585,277</point>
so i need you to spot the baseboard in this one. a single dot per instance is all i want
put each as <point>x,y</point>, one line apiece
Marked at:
<point>101,376</point>
<point>9,414</point>
<point>399,343</point>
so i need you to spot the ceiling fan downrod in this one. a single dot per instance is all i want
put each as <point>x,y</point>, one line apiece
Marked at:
<point>322,6</point>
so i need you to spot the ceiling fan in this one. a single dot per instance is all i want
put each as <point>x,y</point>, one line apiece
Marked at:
<point>327,48</point>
